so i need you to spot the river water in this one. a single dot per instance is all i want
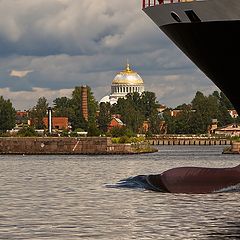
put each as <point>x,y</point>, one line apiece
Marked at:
<point>68,197</point>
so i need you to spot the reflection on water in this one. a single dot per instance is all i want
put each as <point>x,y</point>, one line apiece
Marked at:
<point>231,230</point>
<point>65,197</point>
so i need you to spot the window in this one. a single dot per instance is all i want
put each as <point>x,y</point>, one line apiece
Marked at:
<point>175,17</point>
<point>192,16</point>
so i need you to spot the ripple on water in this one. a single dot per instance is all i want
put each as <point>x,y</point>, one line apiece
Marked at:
<point>65,197</point>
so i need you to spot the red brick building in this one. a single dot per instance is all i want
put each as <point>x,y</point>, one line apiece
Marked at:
<point>115,122</point>
<point>22,114</point>
<point>57,122</point>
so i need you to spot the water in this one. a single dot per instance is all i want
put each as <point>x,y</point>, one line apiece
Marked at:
<point>67,197</point>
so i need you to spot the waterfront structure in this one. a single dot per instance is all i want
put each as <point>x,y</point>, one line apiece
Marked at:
<point>207,31</point>
<point>69,146</point>
<point>126,81</point>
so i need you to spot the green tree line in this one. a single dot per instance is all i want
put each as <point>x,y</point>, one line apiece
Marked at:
<point>196,117</point>
<point>7,115</point>
<point>133,110</point>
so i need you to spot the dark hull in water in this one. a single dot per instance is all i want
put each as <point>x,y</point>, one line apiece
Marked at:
<point>214,48</point>
<point>196,180</point>
<point>187,180</point>
<point>208,32</point>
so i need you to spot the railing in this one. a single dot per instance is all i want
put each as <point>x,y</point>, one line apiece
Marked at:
<point>149,3</point>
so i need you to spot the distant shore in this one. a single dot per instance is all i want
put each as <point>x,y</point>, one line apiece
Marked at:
<point>188,140</point>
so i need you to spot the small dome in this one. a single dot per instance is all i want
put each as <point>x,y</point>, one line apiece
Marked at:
<point>105,99</point>
<point>109,99</point>
<point>128,77</point>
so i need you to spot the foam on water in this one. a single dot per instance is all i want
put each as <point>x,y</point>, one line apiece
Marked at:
<point>235,188</point>
<point>137,182</point>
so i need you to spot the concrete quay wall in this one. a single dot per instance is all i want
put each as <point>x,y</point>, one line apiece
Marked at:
<point>234,149</point>
<point>188,141</point>
<point>50,145</point>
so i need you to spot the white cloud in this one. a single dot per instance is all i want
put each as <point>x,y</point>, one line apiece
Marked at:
<point>27,99</point>
<point>19,74</point>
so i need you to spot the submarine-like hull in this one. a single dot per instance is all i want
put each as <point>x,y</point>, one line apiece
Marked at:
<point>195,180</point>
<point>208,32</point>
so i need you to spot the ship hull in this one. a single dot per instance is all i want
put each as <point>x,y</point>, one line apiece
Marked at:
<point>196,180</point>
<point>211,38</point>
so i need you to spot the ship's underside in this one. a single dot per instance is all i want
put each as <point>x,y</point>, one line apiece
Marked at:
<point>215,48</point>
<point>210,38</point>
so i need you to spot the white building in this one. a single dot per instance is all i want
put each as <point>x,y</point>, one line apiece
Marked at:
<point>229,130</point>
<point>126,81</point>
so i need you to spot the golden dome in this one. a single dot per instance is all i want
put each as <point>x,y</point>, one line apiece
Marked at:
<point>128,77</point>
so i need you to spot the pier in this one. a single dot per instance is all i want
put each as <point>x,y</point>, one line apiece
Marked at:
<point>187,140</point>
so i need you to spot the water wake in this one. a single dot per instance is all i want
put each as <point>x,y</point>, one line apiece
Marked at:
<point>137,182</point>
<point>231,189</point>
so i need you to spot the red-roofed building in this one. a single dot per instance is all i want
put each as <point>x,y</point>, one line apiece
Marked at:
<point>57,122</point>
<point>233,113</point>
<point>115,122</point>
<point>22,114</point>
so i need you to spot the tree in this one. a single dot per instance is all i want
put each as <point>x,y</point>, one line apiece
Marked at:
<point>27,132</point>
<point>72,108</point>
<point>62,107</point>
<point>104,117</point>
<point>121,131</point>
<point>170,121</point>
<point>225,101</point>
<point>196,118</point>
<point>148,104</point>
<point>129,110</point>
<point>223,104</point>
<point>136,108</point>
<point>78,120</point>
<point>203,112</point>
<point>183,123</point>
<point>38,112</point>
<point>7,115</point>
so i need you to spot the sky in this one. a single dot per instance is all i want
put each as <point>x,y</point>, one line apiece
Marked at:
<point>47,47</point>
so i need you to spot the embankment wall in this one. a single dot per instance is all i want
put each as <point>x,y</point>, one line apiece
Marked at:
<point>50,145</point>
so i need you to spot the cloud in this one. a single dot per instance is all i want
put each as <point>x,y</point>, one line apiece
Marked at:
<point>24,100</point>
<point>19,74</point>
<point>71,27</point>
<point>69,43</point>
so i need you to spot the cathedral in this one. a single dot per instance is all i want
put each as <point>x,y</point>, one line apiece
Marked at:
<point>126,81</point>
